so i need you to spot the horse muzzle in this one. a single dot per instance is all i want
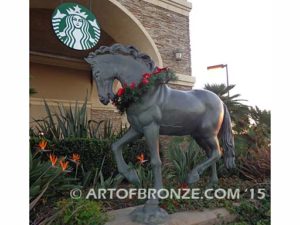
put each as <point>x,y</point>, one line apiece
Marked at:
<point>104,100</point>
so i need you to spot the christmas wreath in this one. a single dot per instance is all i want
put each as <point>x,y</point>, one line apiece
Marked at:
<point>127,95</point>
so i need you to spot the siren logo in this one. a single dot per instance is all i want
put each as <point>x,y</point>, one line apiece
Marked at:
<point>75,26</point>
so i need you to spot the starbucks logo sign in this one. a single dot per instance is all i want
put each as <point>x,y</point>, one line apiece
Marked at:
<point>75,26</point>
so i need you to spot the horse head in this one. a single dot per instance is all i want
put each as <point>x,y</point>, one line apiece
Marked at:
<point>124,63</point>
<point>103,74</point>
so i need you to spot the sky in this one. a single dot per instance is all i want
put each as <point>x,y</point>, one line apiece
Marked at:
<point>239,34</point>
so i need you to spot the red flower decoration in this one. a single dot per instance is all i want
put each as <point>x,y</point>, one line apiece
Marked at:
<point>132,85</point>
<point>121,91</point>
<point>145,81</point>
<point>146,75</point>
<point>158,70</point>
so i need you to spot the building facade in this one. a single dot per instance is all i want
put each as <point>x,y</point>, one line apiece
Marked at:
<point>159,28</point>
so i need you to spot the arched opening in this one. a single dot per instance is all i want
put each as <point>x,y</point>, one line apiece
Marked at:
<point>117,25</point>
<point>59,73</point>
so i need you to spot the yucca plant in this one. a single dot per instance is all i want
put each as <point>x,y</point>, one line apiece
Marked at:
<point>182,161</point>
<point>71,122</point>
<point>66,123</point>
<point>145,175</point>
<point>48,126</point>
<point>94,128</point>
<point>95,179</point>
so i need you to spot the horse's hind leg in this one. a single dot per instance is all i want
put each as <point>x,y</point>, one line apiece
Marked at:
<point>211,146</point>
<point>214,176</point>
<point>123,168</point>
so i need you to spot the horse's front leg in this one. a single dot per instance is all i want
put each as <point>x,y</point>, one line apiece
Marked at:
<point>151,133</point>
<point>151,213</point>
<point>123,168</point>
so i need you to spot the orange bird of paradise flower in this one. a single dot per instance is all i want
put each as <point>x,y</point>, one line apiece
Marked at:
<point>141,158</point>
<point>43,144</point>
<point>53,159</point>
<point>63,164</point>
<point>76,158</point>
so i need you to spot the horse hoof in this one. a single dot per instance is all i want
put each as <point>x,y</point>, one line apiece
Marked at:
<point>193,177</point>
<point>132,177</point>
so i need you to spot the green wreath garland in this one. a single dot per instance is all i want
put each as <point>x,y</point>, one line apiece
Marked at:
<point>130,94</point>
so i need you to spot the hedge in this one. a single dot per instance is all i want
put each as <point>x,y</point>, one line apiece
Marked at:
<point>93,151</point>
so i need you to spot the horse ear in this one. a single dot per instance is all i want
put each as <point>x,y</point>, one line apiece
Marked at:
<point>90,60</point>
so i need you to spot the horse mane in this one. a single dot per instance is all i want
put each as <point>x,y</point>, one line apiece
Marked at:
<point>124,50</point>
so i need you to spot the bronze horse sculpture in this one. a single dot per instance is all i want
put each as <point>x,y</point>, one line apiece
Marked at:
<point>165,111</point>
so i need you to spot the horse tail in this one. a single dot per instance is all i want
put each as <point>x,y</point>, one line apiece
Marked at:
<point>227,140</point>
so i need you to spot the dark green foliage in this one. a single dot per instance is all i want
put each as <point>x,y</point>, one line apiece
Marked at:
<point>95,179</point>
<point>253,212</point>
<point>254,160</point>
<point>80,212</point>
<point>261,116</point>
<point>93,151</point>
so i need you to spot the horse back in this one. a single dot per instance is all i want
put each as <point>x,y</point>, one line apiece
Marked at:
<point>185,112</point>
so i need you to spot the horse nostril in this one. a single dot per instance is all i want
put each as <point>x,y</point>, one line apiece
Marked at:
<point>103,100</point>
<point>110,96</point>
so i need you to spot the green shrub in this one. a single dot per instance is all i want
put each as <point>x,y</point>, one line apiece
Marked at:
<point>93,151</point>
<point>80,212</point>
<point>255,212</point>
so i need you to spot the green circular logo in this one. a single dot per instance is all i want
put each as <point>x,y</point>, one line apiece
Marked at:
<point>75,26</point>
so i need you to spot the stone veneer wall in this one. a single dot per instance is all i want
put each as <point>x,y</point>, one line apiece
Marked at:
<point>180,87</point>
<point>169,30</point>
<point>114,117</point>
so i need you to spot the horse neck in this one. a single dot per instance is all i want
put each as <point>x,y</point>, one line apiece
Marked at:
<point>129,78</point>
<point>133,73</point>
